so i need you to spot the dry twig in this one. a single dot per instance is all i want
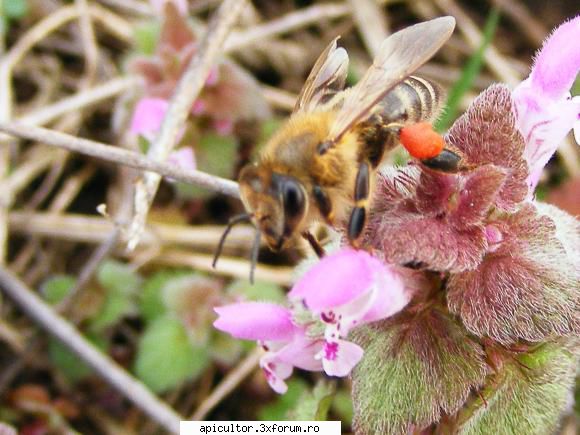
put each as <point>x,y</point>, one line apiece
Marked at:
<point>108,369</point>
<point>187,90</point>
<point>228,384</point>
<point>120,156</point>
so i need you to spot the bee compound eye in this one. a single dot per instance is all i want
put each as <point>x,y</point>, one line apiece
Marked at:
<point>293,197</point>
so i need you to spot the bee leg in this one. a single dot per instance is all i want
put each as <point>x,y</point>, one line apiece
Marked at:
<point>358,215</point>
<point>446,161</point>
<point>319,250</point>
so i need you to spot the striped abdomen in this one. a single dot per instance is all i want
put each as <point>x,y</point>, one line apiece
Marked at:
<point>414,100</point>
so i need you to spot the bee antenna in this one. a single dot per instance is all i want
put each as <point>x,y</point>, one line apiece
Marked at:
<point>244,217</point>
<point>255,252</point>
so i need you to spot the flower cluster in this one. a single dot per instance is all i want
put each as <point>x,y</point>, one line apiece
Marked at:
<point>345,289</point>
<point>469,280</point>
<point>230,93</point>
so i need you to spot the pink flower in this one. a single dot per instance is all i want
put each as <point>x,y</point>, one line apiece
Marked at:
<point>148,116</point>
<point>184,158</point>
<point>286,344</point>
<point>347,289</point>
<point>344,290</point>
<point>544,108</point>
<point>159,5</point>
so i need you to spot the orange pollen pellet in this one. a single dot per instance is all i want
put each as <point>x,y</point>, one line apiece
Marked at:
<point>421,140</point>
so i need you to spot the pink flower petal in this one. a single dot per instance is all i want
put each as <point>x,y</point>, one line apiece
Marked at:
<point>300,352</point>
<point>543,123</point>
<point>213,76</point>
<point>223,127</point>
<point>159,5</point>
<point>255,321</point>
<point>198,108</point>
<point>339,357</point>
<point>544,109</point>
<point>558,62</point>
<point>337,279</point>
<point>275,372</point>
<point>148,117</point>
<point>184,158</point>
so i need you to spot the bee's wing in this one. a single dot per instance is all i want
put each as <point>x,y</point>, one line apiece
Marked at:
<point>327,77</point>
<point>399,55</point>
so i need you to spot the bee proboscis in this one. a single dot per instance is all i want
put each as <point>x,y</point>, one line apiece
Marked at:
<point>319,166</point>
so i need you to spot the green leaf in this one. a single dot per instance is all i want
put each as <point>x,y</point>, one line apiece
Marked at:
<point>57,287</point>
<point>15,9</point>
<point>342,406</point>
<point>415,368</point>
<point>3,25</point>
<point>259,291</point>
<point>279,409</point>
<point>215,155</point>
<point>68,363</point>
<point>527,396</point>
<point>166,357</point>
<point>151,303</point>
<point>469,74</point>
<point>143,144</point>
<point>225,349</point>
<point>146,36</point>
<point>191,298</point>
<point>576,86</point>
<point>120,283</point>
<point>577,398</point>
<point>315,404</point>
<point>117,277</point>
<point>115,307</point>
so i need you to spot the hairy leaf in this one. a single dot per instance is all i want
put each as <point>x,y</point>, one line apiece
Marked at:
<point>527,396</point>
<point>314,405</point>
<point>487,134</point>
<point>416,367</point>
<point>434,219</point>
<point>528,288</point>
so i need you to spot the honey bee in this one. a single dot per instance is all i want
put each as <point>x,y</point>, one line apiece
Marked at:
<point>320,165</point>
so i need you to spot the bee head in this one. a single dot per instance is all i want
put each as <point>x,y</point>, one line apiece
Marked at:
<point>278,203</point>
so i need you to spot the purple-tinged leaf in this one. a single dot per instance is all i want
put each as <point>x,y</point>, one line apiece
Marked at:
<point>527,288</point>
<point>436,220</point>
<point>487,134</point>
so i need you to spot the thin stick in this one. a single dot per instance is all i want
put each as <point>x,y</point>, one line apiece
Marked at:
<point>187,90</point>
<point>228,384</point>
<point>89,269</point>
<point>495,61</point>
<point>90,48</point>
<point>279,98</point>
<point>109,370</point>
<point>81,100</point>
<point>228,266</point>
<point>120,156</point>
<point>371,23</point>
<point>531,26</point>
<point>36,33</point>
<point>287,23</point>
<point>95,229</point>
